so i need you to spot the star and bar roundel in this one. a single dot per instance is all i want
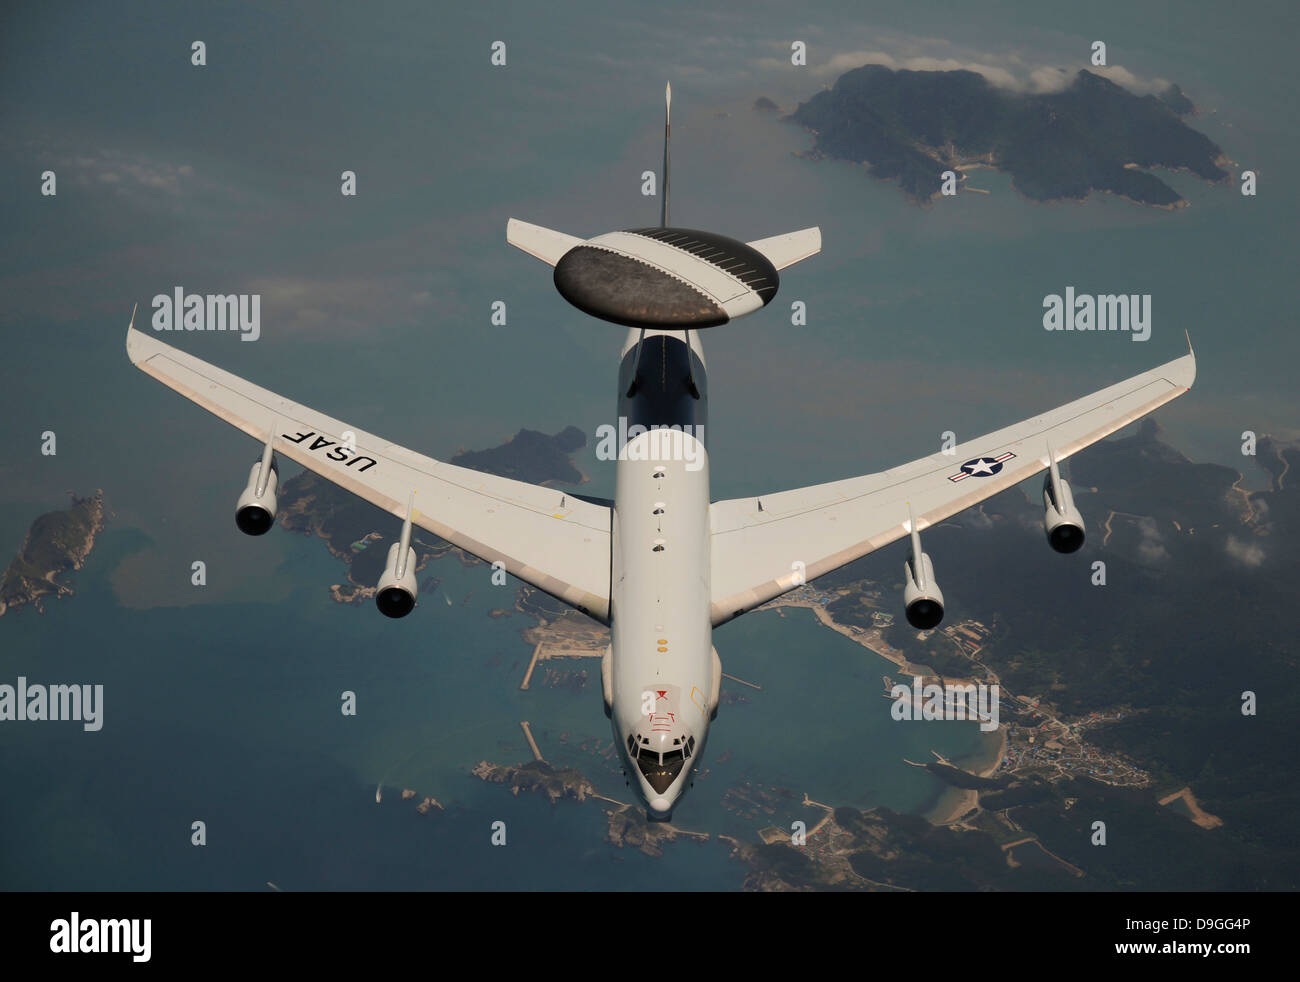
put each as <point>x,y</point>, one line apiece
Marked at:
<point>982,467</point>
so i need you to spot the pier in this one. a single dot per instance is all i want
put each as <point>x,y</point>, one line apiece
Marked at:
<point>528,735</point>
<point>542,653</point>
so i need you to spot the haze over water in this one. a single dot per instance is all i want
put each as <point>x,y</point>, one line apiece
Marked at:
<point>221,703</point>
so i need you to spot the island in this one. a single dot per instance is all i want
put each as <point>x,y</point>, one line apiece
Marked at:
<point>910,127</point>
<point>531,456</point>
<point>426,805</point>
<point>557,783</point>
<point>882,850</point>
<point>57,541</point>
<point>627,824</point>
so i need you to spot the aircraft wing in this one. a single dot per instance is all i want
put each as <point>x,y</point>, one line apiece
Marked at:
<point>757,543</point>
<point>546,537</point>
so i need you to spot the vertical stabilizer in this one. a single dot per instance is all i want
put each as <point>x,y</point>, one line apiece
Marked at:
<point>668,130</point>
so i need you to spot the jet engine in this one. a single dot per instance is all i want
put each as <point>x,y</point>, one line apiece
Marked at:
<point>398,588</point>
<point>1061,519</point>
<point>255,510</point>
<point>922,597</point>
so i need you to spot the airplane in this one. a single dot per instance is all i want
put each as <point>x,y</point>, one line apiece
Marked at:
<point>663,564</point>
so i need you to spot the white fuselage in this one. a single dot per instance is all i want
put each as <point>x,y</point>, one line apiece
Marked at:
<point>663,673</point>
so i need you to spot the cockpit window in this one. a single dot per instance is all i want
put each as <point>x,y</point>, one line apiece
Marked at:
<point>660,770</point>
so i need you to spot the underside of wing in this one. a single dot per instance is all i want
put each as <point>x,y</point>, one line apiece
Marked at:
<point>548,538</point>
<point>765,546</point>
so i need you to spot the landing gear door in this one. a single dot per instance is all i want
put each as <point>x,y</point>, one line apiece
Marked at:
<point>716,691</point>
<point>607,679</point>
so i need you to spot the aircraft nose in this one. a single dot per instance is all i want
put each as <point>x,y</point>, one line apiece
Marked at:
<point>661,807</point>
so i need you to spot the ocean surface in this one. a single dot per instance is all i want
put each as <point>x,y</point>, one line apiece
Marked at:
<point>230,715</point>
<point>222,702</point>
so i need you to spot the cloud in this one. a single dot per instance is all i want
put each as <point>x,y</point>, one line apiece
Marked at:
<point>1248,553</point>
<point>919,55</point>
<point>839,64</point>
<point>1134,83</point>
<point>1150,548</point>
<point>128,172</point>
<point>350,304</point>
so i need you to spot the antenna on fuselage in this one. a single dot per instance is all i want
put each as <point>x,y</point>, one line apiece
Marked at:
<point>668,128</point>
<point>663,223</point>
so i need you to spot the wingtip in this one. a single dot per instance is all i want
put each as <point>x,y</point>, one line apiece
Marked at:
<point>130,333</point>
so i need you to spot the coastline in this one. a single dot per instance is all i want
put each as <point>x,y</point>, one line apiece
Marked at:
<point>952,802</point>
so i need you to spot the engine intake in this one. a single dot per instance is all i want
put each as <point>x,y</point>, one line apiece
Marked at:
<point>922,597</point>
<point>921,594</point>
<point>255,510</point>
<point>1061,519</point>
<point>398,588</point>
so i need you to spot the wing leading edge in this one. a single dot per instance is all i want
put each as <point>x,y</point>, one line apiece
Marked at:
<point>544,536</point>
<point>762,547</point>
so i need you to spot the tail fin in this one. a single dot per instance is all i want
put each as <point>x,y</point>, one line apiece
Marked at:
<point>668,130</point>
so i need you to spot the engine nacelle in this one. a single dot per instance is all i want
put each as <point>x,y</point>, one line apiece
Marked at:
<point>398,588</point>
<point>255,513</point>
<point>921,594</point>
<point>1061,519</point>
